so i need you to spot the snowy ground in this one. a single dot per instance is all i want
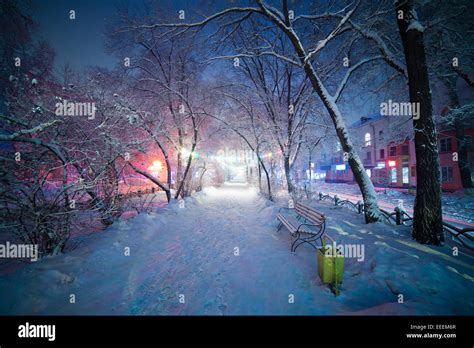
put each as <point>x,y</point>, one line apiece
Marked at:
<point>190,251</point>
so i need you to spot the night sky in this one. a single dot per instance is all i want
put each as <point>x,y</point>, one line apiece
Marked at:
<point>79,42</point>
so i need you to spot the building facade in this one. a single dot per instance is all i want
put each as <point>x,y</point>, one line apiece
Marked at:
<point>390,160</point>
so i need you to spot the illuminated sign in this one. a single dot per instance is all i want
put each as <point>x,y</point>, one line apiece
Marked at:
<point>392,163</point>
<point>340,167</point>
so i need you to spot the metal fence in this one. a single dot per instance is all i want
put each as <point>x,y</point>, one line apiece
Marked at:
<point>400,217</point>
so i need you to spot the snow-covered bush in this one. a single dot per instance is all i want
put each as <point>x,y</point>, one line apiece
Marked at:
<point>31,206</point>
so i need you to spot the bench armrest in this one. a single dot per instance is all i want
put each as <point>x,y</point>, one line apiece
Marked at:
<point>285,208</point>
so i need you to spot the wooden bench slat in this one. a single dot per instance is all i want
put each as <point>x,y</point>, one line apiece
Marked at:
<point>307,207</point>
<point>309,213</point>
<point>309,210</point>
<point>313,218</point>
<point>295,223</point>
<point>285,222</point>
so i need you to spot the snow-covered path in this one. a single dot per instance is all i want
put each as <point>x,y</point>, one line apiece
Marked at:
<point>189,255</point>
<point>186,251</point>
<point>198,259</point>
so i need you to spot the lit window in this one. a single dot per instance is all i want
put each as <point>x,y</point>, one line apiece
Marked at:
<point>393,175</point>
<point>368,140</point>
<point>405,177</point>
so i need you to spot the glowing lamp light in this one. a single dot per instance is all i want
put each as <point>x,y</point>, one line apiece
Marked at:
<point>392,163</point>
<point>269,155</point>
<point>156,168</point>
<point>185,152</point>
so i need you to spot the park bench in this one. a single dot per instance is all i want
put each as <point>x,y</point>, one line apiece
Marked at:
<point>304,223</point>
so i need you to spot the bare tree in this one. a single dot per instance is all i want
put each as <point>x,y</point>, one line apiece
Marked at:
<point>165,80</point>
<point>302,58</point>
<point>427,219</point>
<point>285,95</point>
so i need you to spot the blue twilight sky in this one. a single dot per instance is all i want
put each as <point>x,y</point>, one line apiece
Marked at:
<point>79,42</point>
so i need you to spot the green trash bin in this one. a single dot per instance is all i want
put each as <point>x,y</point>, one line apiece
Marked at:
<point>330,266</point>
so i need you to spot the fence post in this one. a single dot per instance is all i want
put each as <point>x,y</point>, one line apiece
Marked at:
<point>320,196</point>
<point>359,207</point>
<point>336,200</point>
<point>398,215</point>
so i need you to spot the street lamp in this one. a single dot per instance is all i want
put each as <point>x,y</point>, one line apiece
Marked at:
<point>156,168</point>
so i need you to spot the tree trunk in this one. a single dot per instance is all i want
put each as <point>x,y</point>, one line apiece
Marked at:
<point>165,155</point>
<point>179,159</point>
<point>190,157</point>
<point>180,188</point>
<point>270,197</point>
<point>201,177</point>
<point>372,211</point>
<point>168,177</point>
<point>310,171</point>
<point>427,219</point>
<point>259,177</point>
<point>288,174</point>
